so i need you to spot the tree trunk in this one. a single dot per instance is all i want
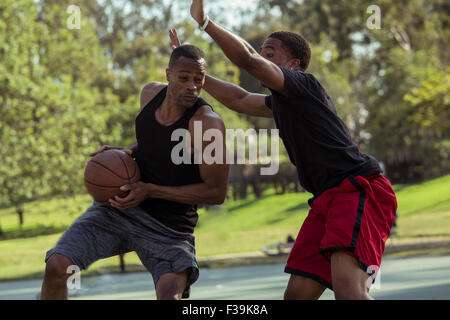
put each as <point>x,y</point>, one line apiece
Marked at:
<point>19,210</point>
<point>122,263</point>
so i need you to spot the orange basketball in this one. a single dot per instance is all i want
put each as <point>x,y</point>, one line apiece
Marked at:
<point>107,171</point>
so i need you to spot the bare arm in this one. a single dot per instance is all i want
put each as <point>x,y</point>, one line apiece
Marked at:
<point>215,176</point>
<point>212,190</point>
<point>240,52</point>
<point>232,96</point>
<point>237,98</point>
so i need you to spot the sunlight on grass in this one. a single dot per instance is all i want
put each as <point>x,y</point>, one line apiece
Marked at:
<point>433,195</point>
<point>238,226</point>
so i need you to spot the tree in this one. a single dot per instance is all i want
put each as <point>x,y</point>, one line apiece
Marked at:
<point>376,70</point>
<point>51,115</point>
<point>409,57</point>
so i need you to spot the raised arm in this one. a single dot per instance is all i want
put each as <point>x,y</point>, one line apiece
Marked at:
<point>240,52</point>
<point>232,96</point>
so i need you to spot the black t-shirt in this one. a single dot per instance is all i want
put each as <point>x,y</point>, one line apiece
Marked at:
<point>317,140</point>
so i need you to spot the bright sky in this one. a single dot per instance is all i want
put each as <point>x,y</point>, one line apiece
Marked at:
<point>226,12</point>
<point>223,11</point>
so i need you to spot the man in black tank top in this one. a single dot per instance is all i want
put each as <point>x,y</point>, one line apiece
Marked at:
<point>353,207</point>
<point>168,191</point>
<point>157,218</point>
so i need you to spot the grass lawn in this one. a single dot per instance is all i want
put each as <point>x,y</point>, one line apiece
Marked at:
<point>240,226</point>
<point>424,209</point>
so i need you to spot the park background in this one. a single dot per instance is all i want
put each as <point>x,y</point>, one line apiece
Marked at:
<point>65,92</point>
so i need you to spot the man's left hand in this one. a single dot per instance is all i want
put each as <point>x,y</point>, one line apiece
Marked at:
<point>197,11</point>
<point>138,192</point>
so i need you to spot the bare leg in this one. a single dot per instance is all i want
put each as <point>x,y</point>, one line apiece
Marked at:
<point>171,286</point>
<point>349,280</point>
<point>302,288</point>
<point>54,286</point>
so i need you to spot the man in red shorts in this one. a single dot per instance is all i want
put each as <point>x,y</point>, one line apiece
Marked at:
<point>341,242</point>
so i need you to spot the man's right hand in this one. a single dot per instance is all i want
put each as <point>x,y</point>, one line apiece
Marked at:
<point>104,148</point>
<point>174,41</point>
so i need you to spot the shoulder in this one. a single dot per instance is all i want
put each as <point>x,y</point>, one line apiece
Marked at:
<point>150,90</point>
<point>297,75</point>
<point>299,83</point>
<point>208,117</point>
<point>152,86</point>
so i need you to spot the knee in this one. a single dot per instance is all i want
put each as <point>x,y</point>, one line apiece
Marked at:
<point>168,290</point>
<point>56,268</point>
<point>169,296</point>
<point>171,286</point>
<point>302,288</point>
<point>290,294</point>
<point>343,292</point>
<point>169,293</point>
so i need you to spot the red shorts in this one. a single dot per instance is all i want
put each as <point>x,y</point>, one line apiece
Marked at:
<point>356,216</point>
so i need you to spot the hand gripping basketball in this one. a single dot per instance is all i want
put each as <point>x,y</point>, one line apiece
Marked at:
<point>137,193</point>
<point>107,172</point>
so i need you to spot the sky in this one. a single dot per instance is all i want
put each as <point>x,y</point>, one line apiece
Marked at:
<point>230,14</point>
<point>222,11</point>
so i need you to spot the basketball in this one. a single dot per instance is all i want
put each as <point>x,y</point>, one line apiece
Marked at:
<point>107,171</point>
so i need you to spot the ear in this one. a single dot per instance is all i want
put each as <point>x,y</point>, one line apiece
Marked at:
<point>294,64</point>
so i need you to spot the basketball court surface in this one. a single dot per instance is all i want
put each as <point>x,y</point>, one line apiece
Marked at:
<point>412,278</point>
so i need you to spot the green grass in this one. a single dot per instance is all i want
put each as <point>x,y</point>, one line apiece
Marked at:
<point>430,196</point>
<point>24,258</point>
<point>43,217</point>
<point>240,226</point>
<point>424,209</point>
<point>247,225</point>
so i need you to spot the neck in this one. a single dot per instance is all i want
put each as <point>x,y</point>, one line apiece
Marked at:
<point>169,111</point>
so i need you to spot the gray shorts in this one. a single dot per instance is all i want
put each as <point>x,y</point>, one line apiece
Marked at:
<point>103,231</point>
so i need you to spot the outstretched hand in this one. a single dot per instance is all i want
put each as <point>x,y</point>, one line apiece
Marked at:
<point>197,11</point>
<point>174,41</point>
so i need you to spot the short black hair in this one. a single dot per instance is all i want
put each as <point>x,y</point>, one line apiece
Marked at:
<point>188,51</point>
<point>296,46</point>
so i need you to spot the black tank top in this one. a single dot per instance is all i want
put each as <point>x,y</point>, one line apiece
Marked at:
<point>153,155</point>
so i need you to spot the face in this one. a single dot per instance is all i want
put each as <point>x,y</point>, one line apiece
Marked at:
<point>186,80</point>
<point>272,49</point>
